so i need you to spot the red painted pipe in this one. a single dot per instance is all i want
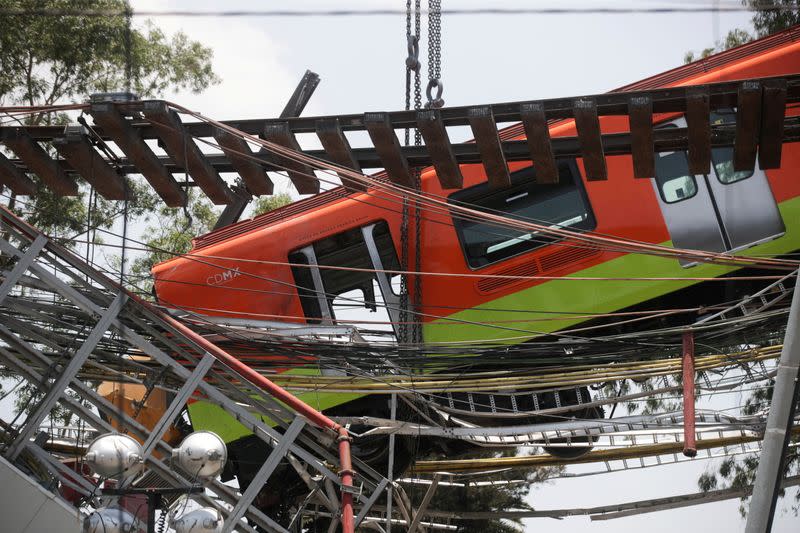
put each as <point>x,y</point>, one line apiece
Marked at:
<point>302,408</point>
<point>346,473</point>
<point>689,445</point>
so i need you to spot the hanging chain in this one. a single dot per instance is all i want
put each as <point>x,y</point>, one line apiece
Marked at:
<point>412,60</point>
<point>435,85</point>
<point>412,69</point>
<point>417,78</point>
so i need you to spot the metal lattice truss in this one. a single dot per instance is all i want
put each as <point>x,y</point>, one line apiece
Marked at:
<point>62,322</point>
<point>64,326</point>
<point>121,141</point>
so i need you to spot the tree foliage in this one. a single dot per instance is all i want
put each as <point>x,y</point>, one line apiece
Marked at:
<point>59,58</point>
<point>488,498</point>
<point>52,58</point>
<point>769,16</point>
<point>772,16</point>
<point>265,204</point>
<point>49,59</point>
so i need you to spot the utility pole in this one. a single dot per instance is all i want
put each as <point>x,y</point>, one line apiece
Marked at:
<point>779,424</point>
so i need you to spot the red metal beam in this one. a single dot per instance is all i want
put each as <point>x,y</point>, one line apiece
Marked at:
<point>773,111</point>
<point>242,159</point>
<point>302,175</point>
<point>182,149</point>
<point>587,123</point>
<point>537,133</point>
<point>387,146</point>
<point>699,128</point>
<point>640,110</point>
<point>748,122</point>
<point>296,404</point>
<point>484,128</point>
<point>437,141</point>
<point>689,444</point>
<point>338,149</point>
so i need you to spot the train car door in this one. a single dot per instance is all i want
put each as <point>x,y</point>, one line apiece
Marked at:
<point>723,211</point>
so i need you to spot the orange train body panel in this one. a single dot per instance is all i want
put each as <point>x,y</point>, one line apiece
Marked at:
<point>241,271</point>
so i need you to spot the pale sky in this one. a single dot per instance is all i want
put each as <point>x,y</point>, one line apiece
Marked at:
<point>486,59</point>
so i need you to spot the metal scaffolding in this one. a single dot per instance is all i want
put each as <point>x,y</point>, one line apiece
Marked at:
<point>65,325</point>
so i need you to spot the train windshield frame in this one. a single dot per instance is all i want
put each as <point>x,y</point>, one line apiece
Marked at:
<point>560,205</point>
<point>346,271</point>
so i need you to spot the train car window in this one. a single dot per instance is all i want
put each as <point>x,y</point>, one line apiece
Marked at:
<point>563,204</point>
<point>305,287</point>
<point>344,290</point>
<point>674,180</point>
<point>723,157</point>
<point>723,166</point>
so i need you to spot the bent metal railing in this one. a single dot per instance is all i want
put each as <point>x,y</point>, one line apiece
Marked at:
<point>63,325</point>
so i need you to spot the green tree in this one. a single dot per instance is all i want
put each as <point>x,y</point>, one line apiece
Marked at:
<point>735,37</point>
<point>772,16</point>
<point>45,59</point>
<point>265,204</point>
<point>769,16</point>
<point>70,53</point>
<point>488,498</point>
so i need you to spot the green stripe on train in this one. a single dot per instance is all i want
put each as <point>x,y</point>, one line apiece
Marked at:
<point>211,417</point>
<point>550,297</point>
<point>594,296</point>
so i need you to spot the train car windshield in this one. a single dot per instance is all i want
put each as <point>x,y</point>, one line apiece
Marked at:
<point>563,204</point>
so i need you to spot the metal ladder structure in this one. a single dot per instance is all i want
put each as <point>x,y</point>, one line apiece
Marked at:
<point>64,325</point>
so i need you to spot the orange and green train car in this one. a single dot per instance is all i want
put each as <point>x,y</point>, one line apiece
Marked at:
<point>245,271</point>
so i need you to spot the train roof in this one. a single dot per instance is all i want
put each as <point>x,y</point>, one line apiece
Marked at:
<point>663,79</point>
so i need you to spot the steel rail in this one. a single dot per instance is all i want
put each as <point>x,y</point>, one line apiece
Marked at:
<point>666,100</point>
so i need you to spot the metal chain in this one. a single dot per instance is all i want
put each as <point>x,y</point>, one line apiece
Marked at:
<point>412,61</point>
<point>412,66</point>
<point>417,78</point>
<point>417,336</point>
<point>415,329</point>
<point>435,85</point>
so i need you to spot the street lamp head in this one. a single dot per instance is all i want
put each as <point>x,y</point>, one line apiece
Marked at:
<point>110,520</point>
<point>202,520</point>
<point>115,455</point>
<point>202,455</point>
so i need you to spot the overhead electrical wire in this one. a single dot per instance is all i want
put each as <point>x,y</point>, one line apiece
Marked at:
<point>372,12</point>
